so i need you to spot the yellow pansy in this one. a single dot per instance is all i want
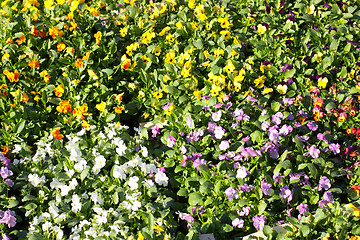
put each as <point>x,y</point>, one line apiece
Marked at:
<point>261,29</point>
<point>101,106</point>
<point>322,82</point>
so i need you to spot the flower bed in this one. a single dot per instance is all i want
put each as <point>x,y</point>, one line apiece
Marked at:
<point>254,111</point>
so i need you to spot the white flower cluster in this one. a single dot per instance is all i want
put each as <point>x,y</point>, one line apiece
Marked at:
<point>84,162</point>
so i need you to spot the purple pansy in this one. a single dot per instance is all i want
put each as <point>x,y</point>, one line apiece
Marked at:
<point>231,193</point>
<point>266,188</point>
<point>259,222</point>
<point>170,141</point>
<point>286,193</point>
<point>324,183</point>
<point>335,148</point>
<point>314,152</point>
<point>312,126</point>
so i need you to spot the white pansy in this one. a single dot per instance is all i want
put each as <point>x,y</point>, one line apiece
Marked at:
<point>150,168</point>
<point>100,161</point>
<point>96,170</point>
<point>121,149</point>
<point>135,205</point>
<point>35,180</point>
<point>145,152</point>
<point>135,162</point>
<point>133,182</point>
<point>148,183</point>
<point>82,132</point>
<point>70,172</point>
<point>46,226</point>
<point>118,172</point>
<point>161,179</point>
<point>76,204</point>
<point>111,133</point>
<point>59,232</point>
<point>73,183</point>
<point>96,198</point>
<point>64,189</point>
<point>17,148</point>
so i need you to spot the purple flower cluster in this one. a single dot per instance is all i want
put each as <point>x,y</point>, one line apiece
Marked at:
<point>195,136</point>
<point>303,178</point>
<point>302,208</point>
<point>8,217</point>
<point>217,131</point>
<point>259,222</point>
<point>286,193</point>
<point>5,171</point>
<point>249,152</point>
<point>266,188</point>
<point>327,197</point>
<point>239,115</point>
<point>231,193</point>
<point>195,158</point>
<point>324,183</point>
<point>245,187</point>
<point>198,210</point>
<point>155,130</point>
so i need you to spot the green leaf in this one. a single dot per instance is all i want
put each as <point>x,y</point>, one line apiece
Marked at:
<point>275,106</point>
<point>20,126</point>
<point>227,228</point>
<point>169,67</point>
<point>12,203</point>
<point>195,199</point>
<point>110,117</point>
<point>319,215</point>
<point>284,155</point>
<point>262,207</point>
<point>334,45</point>
<point>182,16</point>
<point>44,97</point>
<point>182,192</point>
<point>286,164</point>
<point>133,12</point>
<point>267,230</point>
<point>84,173</point>
<point>107,72</point>
<point>319,161</point>
<point>302,166</point>
<point>116,198</point>
<point>144,133</point>
<point>198,44</point>
<point>256,136</point>
<point>290,73</point>
<point>206,187</point>
<point>30,206</point>
<point>308,18</point>
<point>35,237</point>
<point>313,170</point>
<point>292,220</point>
<point>260,45</point>
<point>28,198</point>
<point>305,230</point>
<point>347,48</point>
<point>299,144</point>
<point>172,90</point>
<point>169,163</point>
<point>327,62</point>
<point>170,153</point>
<point>277,168</point>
